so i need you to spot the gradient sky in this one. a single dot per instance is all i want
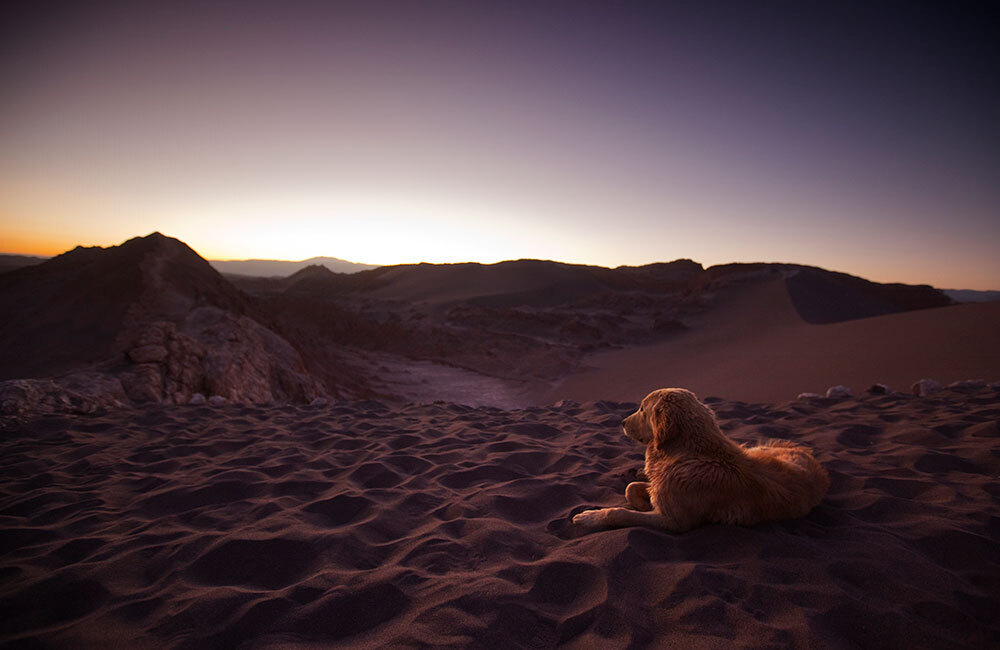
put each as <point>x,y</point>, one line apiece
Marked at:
<point>858,139</point>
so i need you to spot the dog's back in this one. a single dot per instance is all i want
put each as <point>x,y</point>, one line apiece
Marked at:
<point>792,480</point>
<point>773,481</point>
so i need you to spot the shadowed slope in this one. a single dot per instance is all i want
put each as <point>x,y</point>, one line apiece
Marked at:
<point>826,297</point>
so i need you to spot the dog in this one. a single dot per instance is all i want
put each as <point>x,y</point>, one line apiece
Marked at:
<point>699,476</point>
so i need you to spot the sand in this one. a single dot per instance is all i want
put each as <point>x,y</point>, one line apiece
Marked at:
<point>754,346</point>
<point>371,525</point>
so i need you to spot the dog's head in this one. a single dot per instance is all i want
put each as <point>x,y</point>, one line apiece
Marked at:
<point>668,415</point>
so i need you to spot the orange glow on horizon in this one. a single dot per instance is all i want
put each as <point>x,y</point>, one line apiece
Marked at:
<point>15,243</point>
<point>20,241</point>
<point>433,134</point>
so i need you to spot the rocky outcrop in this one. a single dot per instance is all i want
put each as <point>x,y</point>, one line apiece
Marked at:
<point>72,311</point>
<point>968,384</point>
<point>838,392</point>
<point>926,387</point>
<point>216,353</point>
<point>82,392</point>
<point>148,321</point>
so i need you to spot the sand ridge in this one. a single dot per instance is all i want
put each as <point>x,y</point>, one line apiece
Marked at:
<point>754,346</point>
<point>367,524</point>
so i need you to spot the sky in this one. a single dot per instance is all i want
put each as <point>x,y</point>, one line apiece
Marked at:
<point>857,137</point>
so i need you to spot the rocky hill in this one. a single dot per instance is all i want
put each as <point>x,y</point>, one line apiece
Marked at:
<point>146,321</point>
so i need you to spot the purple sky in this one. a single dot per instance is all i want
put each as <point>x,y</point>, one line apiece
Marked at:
<point>605,133</point>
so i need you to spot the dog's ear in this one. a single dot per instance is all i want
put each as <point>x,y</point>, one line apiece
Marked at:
<point>663,422</point>
<point>678,417</point>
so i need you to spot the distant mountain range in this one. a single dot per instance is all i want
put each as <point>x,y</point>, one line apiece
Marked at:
<point>820,296</point>
<point>253,268</point>
<point>970,295</point>
<point>11,262</point>
<point>284,268</point>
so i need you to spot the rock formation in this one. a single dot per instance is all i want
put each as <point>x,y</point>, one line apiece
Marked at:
<point>838,392</point>
<point>146,321</point>
<point>216,353</point>
<point>926,387</point>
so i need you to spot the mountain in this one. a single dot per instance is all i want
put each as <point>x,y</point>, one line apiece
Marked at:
<point>971,295</point>
<point>283,268</point>
<point>820,296</point>
<point>252,268</point>
<point>11,262</point>
<point>515,283</point>
<point>512,283</point>
<point>152,320</point>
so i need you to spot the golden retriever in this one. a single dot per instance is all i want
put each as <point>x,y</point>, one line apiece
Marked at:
<point>699,476</point>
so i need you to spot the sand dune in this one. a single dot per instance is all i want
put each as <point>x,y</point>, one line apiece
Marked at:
<point>754,346</point>
<point>366,525</point>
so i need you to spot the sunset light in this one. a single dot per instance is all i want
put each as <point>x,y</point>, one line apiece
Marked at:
<point>440,133</point>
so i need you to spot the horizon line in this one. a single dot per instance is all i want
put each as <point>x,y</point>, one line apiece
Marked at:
<point>523,259</point>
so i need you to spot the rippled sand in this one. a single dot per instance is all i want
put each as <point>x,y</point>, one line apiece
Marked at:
<point>369,525</point>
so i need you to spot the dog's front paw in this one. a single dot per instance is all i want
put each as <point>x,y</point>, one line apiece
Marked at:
<point>591,518</point>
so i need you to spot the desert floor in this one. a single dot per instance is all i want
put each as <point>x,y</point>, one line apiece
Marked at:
<point>372,525</point>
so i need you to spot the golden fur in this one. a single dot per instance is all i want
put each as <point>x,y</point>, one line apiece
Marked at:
<point>699,476</point>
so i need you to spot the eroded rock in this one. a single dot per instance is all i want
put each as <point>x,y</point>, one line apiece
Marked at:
<point>82,392</point>
<point>839,392</point>
<point>147,354</point>
<point>968,384</point>
<point>925,387</point>
<point>218,353</point>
